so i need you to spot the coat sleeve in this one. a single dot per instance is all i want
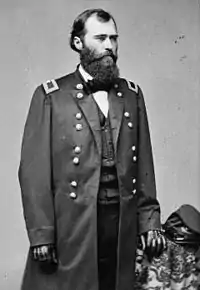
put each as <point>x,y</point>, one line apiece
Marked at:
<point>148,205</point>
<point>35,171</point>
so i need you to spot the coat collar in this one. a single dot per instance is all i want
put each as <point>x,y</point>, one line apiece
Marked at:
<point>86,76</point>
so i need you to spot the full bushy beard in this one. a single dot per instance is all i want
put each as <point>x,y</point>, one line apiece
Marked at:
<point>102,67</point>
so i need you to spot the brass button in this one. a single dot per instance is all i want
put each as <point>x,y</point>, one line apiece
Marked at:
<point>79,96</point>
<point>78,116</point>
<point>126,114</point>
<point>119,94</point>
<point>134,180</point>
<point>134,191</point>
<point>134,158</point>
<point>79,86</point>
<point>130,124</point>
<point>79,127</point>
<point>76,160</point>
<point>133,148</point>
<point>116,86</point>
<point>77,149</point>
<point>74,183</point>
<point>73,195</point>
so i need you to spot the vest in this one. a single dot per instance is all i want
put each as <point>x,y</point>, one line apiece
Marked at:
<point>108,189</point>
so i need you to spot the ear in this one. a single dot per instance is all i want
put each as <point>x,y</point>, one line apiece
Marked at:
<point>78,43</point>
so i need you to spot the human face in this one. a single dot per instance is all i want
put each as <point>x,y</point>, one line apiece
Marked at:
<point>101,38</point>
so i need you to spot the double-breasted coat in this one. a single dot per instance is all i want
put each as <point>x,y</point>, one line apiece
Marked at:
<point>59,177</point>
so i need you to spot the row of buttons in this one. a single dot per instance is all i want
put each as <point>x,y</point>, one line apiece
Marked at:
<point>127,115</point>
<point>76,160</point>
<point>80,95</point>
<point>77,149</point>
<point>73,195</point>
<point>80,87</point>
<point>130,125</point>
<point>133,148</point>
<point>74,184</point>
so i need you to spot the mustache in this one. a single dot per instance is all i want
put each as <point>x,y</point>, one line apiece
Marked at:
<point>108,53</point>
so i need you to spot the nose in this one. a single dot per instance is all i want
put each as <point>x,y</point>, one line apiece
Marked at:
<point>108,44</point>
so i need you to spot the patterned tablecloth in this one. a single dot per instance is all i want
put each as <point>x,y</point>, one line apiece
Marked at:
<point>177,268</point>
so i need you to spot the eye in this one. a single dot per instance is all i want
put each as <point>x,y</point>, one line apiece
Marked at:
<point>101,37</point>
<point>114,38</point>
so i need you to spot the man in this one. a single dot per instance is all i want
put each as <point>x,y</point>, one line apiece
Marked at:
<point>86,171</point>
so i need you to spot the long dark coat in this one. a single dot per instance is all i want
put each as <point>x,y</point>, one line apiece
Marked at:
<point>47,168</point>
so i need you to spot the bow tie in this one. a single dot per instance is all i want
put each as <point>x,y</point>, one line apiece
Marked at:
<point>94,87</point>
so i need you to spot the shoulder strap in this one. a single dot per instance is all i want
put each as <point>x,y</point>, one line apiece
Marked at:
<point>50,86</point>
<point>132,86</point>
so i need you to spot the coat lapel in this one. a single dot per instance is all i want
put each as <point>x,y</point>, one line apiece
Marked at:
<point>116,108</point>
<point>89,109</point>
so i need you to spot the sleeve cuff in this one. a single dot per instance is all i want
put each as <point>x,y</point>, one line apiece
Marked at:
<point>149,223</point>
<point>41,236</point>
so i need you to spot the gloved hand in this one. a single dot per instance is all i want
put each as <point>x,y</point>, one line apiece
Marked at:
<point>153,243</point>
<point>44,253</point>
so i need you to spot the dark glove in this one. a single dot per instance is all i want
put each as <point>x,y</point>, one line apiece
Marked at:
<point>153,243</point>
<point>44,253</point>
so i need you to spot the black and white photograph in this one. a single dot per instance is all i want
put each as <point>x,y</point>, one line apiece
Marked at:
<point>100,145</point>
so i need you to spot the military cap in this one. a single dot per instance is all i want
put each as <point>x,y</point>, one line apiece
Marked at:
<point>190,217</point>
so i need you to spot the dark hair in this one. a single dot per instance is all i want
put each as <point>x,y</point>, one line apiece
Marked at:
<point>78,28</point>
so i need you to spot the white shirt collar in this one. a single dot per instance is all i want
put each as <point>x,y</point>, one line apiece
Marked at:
<point>101,97</point>
<point>84,74</point>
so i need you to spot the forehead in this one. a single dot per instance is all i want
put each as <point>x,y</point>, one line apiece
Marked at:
<point>94,26</point>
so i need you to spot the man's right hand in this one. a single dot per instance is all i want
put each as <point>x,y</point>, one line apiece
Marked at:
<point>153,243</point>
<point>45,253</point>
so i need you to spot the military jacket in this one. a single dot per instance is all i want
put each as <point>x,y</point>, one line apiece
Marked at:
<point>59,175</point>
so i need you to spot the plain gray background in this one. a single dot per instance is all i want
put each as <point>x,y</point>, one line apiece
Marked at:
<point>159,49</point>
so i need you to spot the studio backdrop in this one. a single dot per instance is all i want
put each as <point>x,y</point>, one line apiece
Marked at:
<point>159,43</point>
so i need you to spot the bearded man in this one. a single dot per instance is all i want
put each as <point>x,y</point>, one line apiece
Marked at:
<point>86,171</point>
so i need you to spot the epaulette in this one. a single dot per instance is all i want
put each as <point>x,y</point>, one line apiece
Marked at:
<point>50,86</point>
<point>132,86</point>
